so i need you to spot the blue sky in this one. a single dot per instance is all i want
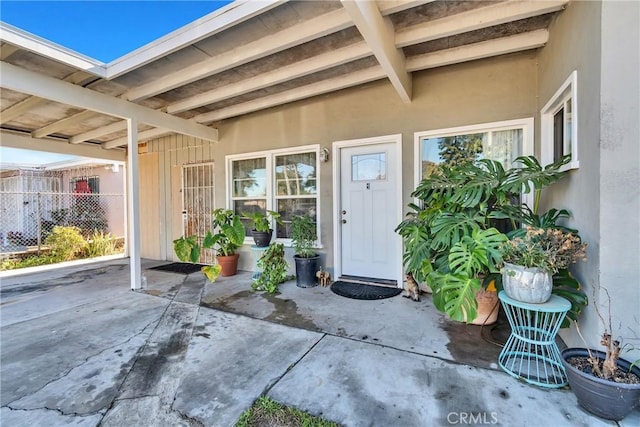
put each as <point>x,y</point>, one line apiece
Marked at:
<point>103,30</point>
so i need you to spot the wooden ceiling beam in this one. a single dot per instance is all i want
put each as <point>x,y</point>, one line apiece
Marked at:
<point>475,19</point>
<point>142,136</point>
<point>21,80</point>
<point>379,34</point>
<point>299,69</point>
<point>287,38</point>
<point>325,86</point>
<point>485,49</point>
<point>61,124</point>
<point>26,142</point>
<point>436,59</point>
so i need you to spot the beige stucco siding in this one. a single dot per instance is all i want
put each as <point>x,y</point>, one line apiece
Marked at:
<point>601,42</point>
<point>488,90</point>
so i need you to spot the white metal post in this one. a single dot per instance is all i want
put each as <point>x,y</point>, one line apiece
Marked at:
<point>133,205</point>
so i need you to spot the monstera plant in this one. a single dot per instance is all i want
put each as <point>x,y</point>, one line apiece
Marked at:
<point>453,235</point>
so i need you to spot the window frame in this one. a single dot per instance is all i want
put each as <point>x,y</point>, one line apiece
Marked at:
<point>271,191</point>
<point>89,178</point>
<point>567,92</point>
<point>526,124</point>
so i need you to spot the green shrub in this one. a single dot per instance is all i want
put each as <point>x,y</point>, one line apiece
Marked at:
<point>65,243</point>
<point>100,244</point>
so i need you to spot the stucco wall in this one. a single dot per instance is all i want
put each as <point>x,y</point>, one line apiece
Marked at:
<point>593,38</point>
<point>482,91</point>
<point>620,167</point>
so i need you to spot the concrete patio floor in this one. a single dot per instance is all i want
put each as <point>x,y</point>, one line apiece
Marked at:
<point>79,348</point>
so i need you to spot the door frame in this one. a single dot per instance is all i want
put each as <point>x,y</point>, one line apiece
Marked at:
<point>337,146</point>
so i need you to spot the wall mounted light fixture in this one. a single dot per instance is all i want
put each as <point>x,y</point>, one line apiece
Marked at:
<point>324,155</point>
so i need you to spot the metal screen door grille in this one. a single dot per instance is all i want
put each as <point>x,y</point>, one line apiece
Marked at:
<point>197,204</point>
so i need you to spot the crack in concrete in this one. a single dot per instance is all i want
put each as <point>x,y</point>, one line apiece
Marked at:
<point>58,410</point>
<point>277,379</point>
<point>87,359</point>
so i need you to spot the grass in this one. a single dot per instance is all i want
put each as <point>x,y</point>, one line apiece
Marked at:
<point>269,413</point>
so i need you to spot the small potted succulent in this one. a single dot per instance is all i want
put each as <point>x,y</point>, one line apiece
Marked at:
<point>262,230</point>
<point>531,259</point>
<point>303,237</point>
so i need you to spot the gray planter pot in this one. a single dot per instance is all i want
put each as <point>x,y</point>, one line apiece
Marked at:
<point>604,398</point>
<point>526,284</point>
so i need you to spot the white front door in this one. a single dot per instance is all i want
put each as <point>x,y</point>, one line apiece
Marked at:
<point>368,212</point>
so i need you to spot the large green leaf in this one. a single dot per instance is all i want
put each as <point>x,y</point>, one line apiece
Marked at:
<point>454,294</point>
<point>449,228</point>
<point>568,287</point>
<point>479,253</point>
<point>212,272</point>
<point>187,249</point>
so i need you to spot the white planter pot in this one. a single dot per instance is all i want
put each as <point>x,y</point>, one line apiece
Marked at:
<point>526,284</point>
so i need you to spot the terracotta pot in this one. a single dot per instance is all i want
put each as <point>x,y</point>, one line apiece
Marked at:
<point>527,284</point>
<point>607,399</point>
<point>229,264</point>
<point>488,308</point>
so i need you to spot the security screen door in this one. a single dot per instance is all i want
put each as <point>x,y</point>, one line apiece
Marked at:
<point>198,204</point>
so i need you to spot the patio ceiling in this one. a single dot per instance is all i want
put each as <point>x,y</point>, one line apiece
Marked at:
<point>244,58</point>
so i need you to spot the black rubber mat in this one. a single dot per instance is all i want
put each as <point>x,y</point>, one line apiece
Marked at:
<point>361,291</point>
<point>179,267</point>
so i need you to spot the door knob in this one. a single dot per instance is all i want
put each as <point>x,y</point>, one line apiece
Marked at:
<point>344,212</point>
<point>344,221</point>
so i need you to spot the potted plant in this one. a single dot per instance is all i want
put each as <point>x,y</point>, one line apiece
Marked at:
<point>303,237</point>
<point>474,197</point>
<point>274,269</point>
<point>530,260</point>
<point>604,384</point>
<point>262,230</point>
<point>227,236</point>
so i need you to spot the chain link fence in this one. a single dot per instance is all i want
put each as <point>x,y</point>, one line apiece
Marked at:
<point>27,218</point>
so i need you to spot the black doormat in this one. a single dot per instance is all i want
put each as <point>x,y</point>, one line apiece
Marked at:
<point>179,267</point>
<point>360,291</point>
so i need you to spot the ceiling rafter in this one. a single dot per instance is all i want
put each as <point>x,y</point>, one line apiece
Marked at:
<point>26,142</point>
<point>485,49</point>
<point>379,34</point>
<point>299,69</point>
<point>98,132</point>
<point>475,19</point>
<point>317,88</point>
<point>142,136</point>
<point>479,50</point>
<point>61,124</point>
<point>213,23</point>
<point>290,37</point>
<point>388,7</point>
<point>21,80</point>
<point>6,50</point>
<point>31,102</point>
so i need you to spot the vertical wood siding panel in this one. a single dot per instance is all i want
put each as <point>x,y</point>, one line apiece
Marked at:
<point>149,199</point>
